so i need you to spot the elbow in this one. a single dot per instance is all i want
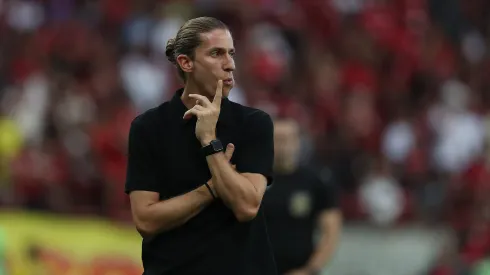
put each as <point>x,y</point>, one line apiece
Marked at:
<point>246,213</point>
<point>146,229</point>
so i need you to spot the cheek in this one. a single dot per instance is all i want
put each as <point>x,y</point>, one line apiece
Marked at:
<point>202,76</point>
<point>206,75</point>
<point>207,67</point>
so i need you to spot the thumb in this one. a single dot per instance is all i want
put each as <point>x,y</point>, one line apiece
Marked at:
<point>230,148</point>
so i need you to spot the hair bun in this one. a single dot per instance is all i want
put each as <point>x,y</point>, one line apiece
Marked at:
<point>170,50</point>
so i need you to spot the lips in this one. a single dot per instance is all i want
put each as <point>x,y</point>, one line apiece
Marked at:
<point>228,81</point>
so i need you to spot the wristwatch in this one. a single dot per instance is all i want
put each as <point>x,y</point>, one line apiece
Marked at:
<point>212,148</point>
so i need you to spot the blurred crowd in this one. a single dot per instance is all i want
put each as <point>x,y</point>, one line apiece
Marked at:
<point>393,97</point>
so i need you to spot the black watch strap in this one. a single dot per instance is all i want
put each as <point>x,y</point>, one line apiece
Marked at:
<point>212,148</point>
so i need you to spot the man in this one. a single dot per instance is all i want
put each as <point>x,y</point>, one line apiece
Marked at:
<point>197,208</point>
<point>299,202</point>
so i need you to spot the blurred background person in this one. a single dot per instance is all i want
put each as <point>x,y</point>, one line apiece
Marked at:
<point>302,208</point>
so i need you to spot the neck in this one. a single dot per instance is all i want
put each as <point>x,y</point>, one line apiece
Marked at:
<point>190,88</point>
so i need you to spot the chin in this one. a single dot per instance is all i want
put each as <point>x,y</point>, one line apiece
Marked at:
<point>226,92</point>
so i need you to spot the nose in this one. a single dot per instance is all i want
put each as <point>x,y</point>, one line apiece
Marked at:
<point>229,64</point>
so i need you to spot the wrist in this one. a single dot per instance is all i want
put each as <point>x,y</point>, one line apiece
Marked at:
<point>207,140</point>
<point>209,186</point>
<point>205,194</point>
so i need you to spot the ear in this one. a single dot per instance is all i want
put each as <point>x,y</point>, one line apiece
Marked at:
<point>185,63</point>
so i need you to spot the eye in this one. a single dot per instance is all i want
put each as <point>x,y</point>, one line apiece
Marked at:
<point>232,54</point>
<point>214,53</point>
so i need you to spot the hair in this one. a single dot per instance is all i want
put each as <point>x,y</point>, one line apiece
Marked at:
<point>188,38</point>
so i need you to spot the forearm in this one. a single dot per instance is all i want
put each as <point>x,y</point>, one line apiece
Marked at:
<point>330,223</point>
<point>174,212</point>
<point>323,253</point>
<point>236,191</point>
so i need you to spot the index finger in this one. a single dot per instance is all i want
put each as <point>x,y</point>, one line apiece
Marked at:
<point>219,94</point>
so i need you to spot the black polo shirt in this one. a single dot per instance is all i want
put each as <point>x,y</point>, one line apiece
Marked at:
<point>292,208</point>
<point>164,156</point>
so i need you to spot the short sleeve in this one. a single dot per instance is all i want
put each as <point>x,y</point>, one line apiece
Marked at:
<point>140,173</point>
<point>327,194</point>
<point>257,154</point>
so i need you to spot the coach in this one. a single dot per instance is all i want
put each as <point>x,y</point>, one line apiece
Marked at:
<point>198,207</point>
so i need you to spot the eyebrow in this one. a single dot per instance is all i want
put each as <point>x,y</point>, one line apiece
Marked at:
<point>222,49</point>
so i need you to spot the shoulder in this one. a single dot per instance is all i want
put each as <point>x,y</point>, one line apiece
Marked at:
<point>251,116</point>
<point>151,117</point>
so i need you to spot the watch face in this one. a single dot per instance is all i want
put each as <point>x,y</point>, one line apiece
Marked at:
<point>217,146</point>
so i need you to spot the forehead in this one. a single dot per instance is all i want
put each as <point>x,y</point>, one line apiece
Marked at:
<point>218,38</point>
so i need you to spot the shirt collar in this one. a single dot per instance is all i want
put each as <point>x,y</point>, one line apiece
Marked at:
<point>178,109</point>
